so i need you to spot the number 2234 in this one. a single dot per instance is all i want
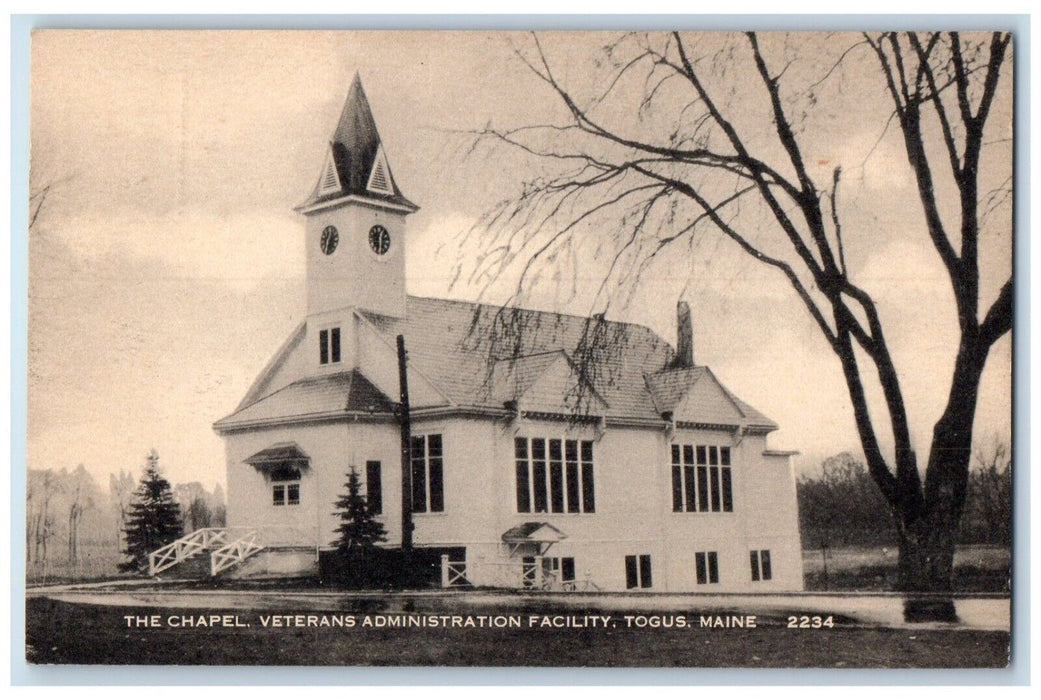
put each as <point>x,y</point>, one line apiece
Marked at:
<point>814,622</point>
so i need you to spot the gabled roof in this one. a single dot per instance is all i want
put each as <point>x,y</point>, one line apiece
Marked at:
<point>712,403</point>
<point>479,356</point>
<point>355,151</point>
<point>326,396</point>
<point>669,386</point>
<point>532,532</point>
<point>511,378</point>
<point>458,345</point>
<point>546,382</point>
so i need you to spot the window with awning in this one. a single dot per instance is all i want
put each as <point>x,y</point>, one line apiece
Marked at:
<point>282,464</point>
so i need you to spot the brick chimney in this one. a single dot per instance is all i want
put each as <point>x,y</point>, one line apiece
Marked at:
<point>684,337</point>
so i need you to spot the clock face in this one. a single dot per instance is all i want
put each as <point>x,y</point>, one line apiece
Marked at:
<point>379,240</point>
<point>330,237</point>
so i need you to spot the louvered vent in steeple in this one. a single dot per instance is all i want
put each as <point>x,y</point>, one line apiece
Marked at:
<point>379,179</point>
<point>330,180</point>
<point>356,164</point>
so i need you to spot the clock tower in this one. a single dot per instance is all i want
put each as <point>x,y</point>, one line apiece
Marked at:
<point>355,230</point>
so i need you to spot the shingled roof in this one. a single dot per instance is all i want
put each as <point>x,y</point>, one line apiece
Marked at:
<point>458,345</point>
<point>312,396</point>
<point>479,357</point>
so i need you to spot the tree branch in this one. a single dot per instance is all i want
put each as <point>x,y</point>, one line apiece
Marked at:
<point>998,320</point>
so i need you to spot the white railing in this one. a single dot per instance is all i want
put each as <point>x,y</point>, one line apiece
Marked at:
<point>229,545</point>
<point>509,573</point>
<point>234,552</point>
<point>185,548</point>
<point>453,573</point>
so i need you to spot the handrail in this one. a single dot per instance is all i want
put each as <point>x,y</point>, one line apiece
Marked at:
<point>247,541</point>
<point>234,552</point>
<point>184,548</point>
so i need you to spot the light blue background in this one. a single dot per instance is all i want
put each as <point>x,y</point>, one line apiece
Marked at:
<point>23,674</point>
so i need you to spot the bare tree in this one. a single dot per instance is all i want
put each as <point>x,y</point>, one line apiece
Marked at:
<point>218,508</point>
<point>988,508</point>
<point>841,506</point>
<point>81,493</point>
<point>43,486</point>
<point>194,502</point>
<point>716,123</point>
<point>121,492</point>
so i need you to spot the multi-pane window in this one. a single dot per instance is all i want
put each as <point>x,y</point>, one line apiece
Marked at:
<point>760,560</point>
<point>428,490</point>
<point>285,488</point>
<point>554,476</point>
<point>328,346</point>
<point>701,480</point>
<point>707,566</point>
<point>638,571</point>
<point>374,487</point>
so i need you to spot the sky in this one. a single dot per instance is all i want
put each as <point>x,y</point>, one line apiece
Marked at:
<point>167,263</point>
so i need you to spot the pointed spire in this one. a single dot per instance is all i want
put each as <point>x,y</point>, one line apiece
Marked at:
<point>357,153</point>
<point>356,131</point>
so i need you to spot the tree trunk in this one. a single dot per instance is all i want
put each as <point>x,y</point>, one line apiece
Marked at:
<point>928,536</point>
<point>926,568</point>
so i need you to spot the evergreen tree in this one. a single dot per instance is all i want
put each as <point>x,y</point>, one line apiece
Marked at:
<point>359,530</point>
<point>153,518</point>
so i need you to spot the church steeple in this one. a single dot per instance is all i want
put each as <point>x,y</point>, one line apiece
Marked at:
<point>356,162</point>
<point>355,230</point>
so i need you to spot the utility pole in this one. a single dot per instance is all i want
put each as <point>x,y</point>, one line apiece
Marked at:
<point>406,450</point>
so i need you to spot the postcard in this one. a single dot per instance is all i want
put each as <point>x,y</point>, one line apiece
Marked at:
<point>553,349</point>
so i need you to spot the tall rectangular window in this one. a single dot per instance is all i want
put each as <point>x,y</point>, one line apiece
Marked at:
<point>329,346</point>
<point>707,567</point>
<point>435,470</point>
<point>688,476</point>
<point>538,470</point>
<point>760,561</point>
<point>677,480</point>
<point>588,490</point>
<point>638,571</point>
<point>520,448</point>
<point>574,503</point>
<point>428,492</point>
<point>728,489</point>
<point>374,487</point>
<point>554,476</point>
<point>701,479</point>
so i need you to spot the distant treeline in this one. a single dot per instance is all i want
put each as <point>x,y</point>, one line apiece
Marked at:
<point>841,506</point>
<point>70,518</point>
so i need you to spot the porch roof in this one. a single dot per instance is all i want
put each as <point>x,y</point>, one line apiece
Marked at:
<point>281,454</point>
<point>532,532</point>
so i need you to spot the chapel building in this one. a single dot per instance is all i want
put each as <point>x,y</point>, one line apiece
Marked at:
<point>546,450</point>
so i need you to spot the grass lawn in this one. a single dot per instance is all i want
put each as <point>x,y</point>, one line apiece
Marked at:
<point>977,569</point>
<point>60,632</point>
